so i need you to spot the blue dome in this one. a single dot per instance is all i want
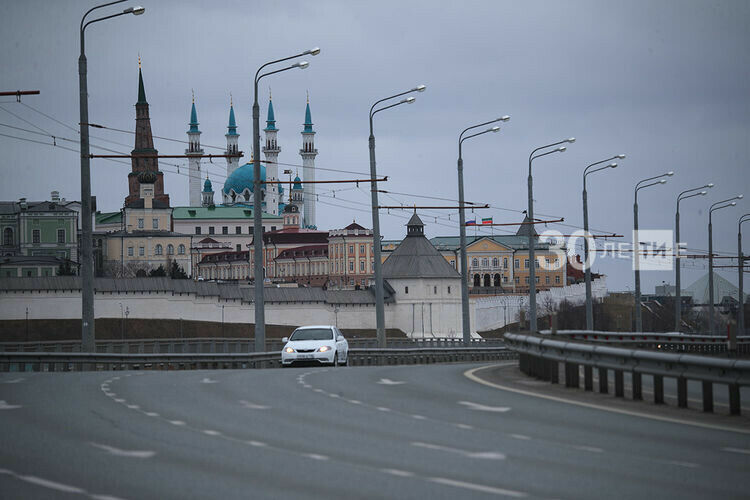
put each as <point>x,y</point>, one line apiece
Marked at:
<point>297,183</point>
<point>207,188</point>
<point>242,179</point>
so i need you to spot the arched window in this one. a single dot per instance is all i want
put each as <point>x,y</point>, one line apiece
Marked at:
<point>8,237</point>
<point>181,249</point>
<point>487,280</point>
<point>247,195</point>
<point>485,262</point>
<point>475,262</point>
<point>495,262</point>
<point>158,250</point>
<point>477,280</point>
<point>496,280</point>
<point>170,249</point>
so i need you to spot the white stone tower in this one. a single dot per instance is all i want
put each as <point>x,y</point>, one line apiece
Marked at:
<point>308,153</point>
<point>194,153</point>
<point>271,150</point>
<point>232,139</point>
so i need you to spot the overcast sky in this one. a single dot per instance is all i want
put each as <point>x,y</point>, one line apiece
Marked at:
<point>665,82</point>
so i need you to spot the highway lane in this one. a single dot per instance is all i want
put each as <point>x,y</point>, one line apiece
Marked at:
<point>366,432</point>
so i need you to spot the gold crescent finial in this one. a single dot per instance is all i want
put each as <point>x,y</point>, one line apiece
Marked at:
<point>269,93</point>
<point>308,96</point>
<point>230,100</point>
<point>193,92</point>
<point>139,60</point>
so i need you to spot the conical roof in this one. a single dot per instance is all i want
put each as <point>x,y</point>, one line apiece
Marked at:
<point>141,89</point>
<point>722,288</point>
<point>415,257</point>
<point>526,227</point>
<point>193,120</point>
<point>271,119</point>
<point>308,120</point>
<point>232,123</point>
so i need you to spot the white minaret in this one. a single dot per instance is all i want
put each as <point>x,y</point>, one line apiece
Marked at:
<point>271,150</point>
<point>232,139</point>
<point>194,153</point>
<point>308,153</point>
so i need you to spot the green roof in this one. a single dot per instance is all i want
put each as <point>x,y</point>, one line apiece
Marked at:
<point>217,212</point>
<point>109,217</point>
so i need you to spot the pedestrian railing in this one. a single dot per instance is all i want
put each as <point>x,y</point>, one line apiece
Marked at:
<point>540,356</point>
<point>78,361</point>
<point>672,342</point>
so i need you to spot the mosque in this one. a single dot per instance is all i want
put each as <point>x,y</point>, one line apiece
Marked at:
<point>238,187</point>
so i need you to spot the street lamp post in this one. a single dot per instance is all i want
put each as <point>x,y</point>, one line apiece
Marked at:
<point>636,245</point>
<point>678,293</point>
<point>260,321</point>
<point>379,306</point>
<point>586,265</point>
<point>530,214</point>
<point>716,206</point>
<point>466,320</point>
<point>88,333</point>
<point>741,266</point>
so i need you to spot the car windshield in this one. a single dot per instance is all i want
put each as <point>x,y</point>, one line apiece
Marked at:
<point>312,334</point>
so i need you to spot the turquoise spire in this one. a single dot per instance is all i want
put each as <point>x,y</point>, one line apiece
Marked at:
<point>308,118</point>
<point>193,119</point>
<point>270,121</point>
<point>232,124</point>
<point>207,188</point>
<point>297,183</point>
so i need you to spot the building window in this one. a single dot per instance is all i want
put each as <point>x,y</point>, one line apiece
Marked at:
<point>406,289</point>
<point>351,265</point>
<point>475,262</point>
<point>237,229</point>
<point>485,262</point>
<point>36,236</point>
<point>155,223</point>
<point>526,263</point>
<point>210,230</point>
<point>517,280</point>
<point>362,249</point>
<point>495,262</point>
<point>505,262</point>
<point>546,280</point>
<point>238,247</point>
<point>61,235</point>
<point>453,264</point>
<point>536,279</point>
<point>536,263</point>
<point>8,236</point>
<point>170,249</point>
<point>273,228</point>
<point>546,262</point>
<point>351,249</point>
<point>197,230</point>
<point>505,279</point>
<point>434,290</point>
<point>526,280</point>
<point>516,264</point>
<point>140,223</point>
<point>130,251</point>
<point>557,279</point>
<point>557,263</point>
<point>141,251</point>
<point>449,290</point>
<point>224,230</point>
<point>181,249</point>
<point>158,250</point>
<point>362,265</point>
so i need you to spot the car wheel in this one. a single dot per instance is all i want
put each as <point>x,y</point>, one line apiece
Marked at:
<point>345,362</point>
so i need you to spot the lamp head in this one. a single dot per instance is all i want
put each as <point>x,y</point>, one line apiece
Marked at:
<point>561,149</point>
<point>313,52</point>
<point>409,100</point>
<point>136,11</point>
<point>301,65</point>
<point>571,140</point>
<point>739,197</point>
<point>703,193</point>
<point>709,185</point>
<point>733,203</point>
<point>670,173</point>
<point>612,165</point>
<point>504,118</point>
<point>663,181</point>
<point>621,157</point>
<point>419,88</point>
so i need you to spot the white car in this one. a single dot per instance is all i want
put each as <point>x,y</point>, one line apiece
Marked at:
<point>322,344</point>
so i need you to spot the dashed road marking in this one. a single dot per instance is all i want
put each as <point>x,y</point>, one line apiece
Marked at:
<point>520,436</point>
<point>210,432</point>
<point>316,456</point>
<point>124,453</point>
<point>207,380</point>
<point>481,407</point>
<point>478,487</point>
<point>397,472</point>
<point>176,422</point>
<point>464,426</point>
<point>482,455</point>
<point>6,406</point>
<point>382,408</point>
<point>253,406</point>
<point>14,381</point>
<point>387,381</point>
<point>257,444</point>
<point>592,449</point>
<point>419,417</point>
<point>744,451</point>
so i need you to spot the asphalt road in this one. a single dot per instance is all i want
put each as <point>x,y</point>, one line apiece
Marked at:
<point>361,432</point>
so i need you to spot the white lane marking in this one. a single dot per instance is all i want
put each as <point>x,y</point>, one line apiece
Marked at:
<point>109,394</point>
<point>315,456</point>
<point>124,453</point>
<point>318,390</point>
<point>176,422</point>
<point>258,444</point>
<point>53,485</point>
<point>396,472</point>
<point>419,417</point>
<point>592,449</point>
<point>387,381</point>
<point>736,450</point>
<point>105,497</point>
<point>253,406</point>
<point>382,408</point>
<point>470,374</point>
<point>481,407</point>
<point>306,386</point>
<point>483,455</point>
<point>133,407</point>
<point>211,433</point>
<point>520,436</point>
<point>478,487</point>
<point>464,426</point>
<point>354,401</point>
<point>152,414</point>
<point>115,378</point>
<point>679,463</point>
<point>332,395</point>
<point>207,380</point>
<point>14,381</point>
<point>119,400</point>
<point>6,406</point>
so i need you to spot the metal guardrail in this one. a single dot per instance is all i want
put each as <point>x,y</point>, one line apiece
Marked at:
<point>72,361</point>
<point>675,342</point>
<point>219,345</point>
<point>539,356</point>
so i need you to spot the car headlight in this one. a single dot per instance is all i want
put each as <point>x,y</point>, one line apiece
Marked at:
<point>288,349</point>
<point>324,348</point>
